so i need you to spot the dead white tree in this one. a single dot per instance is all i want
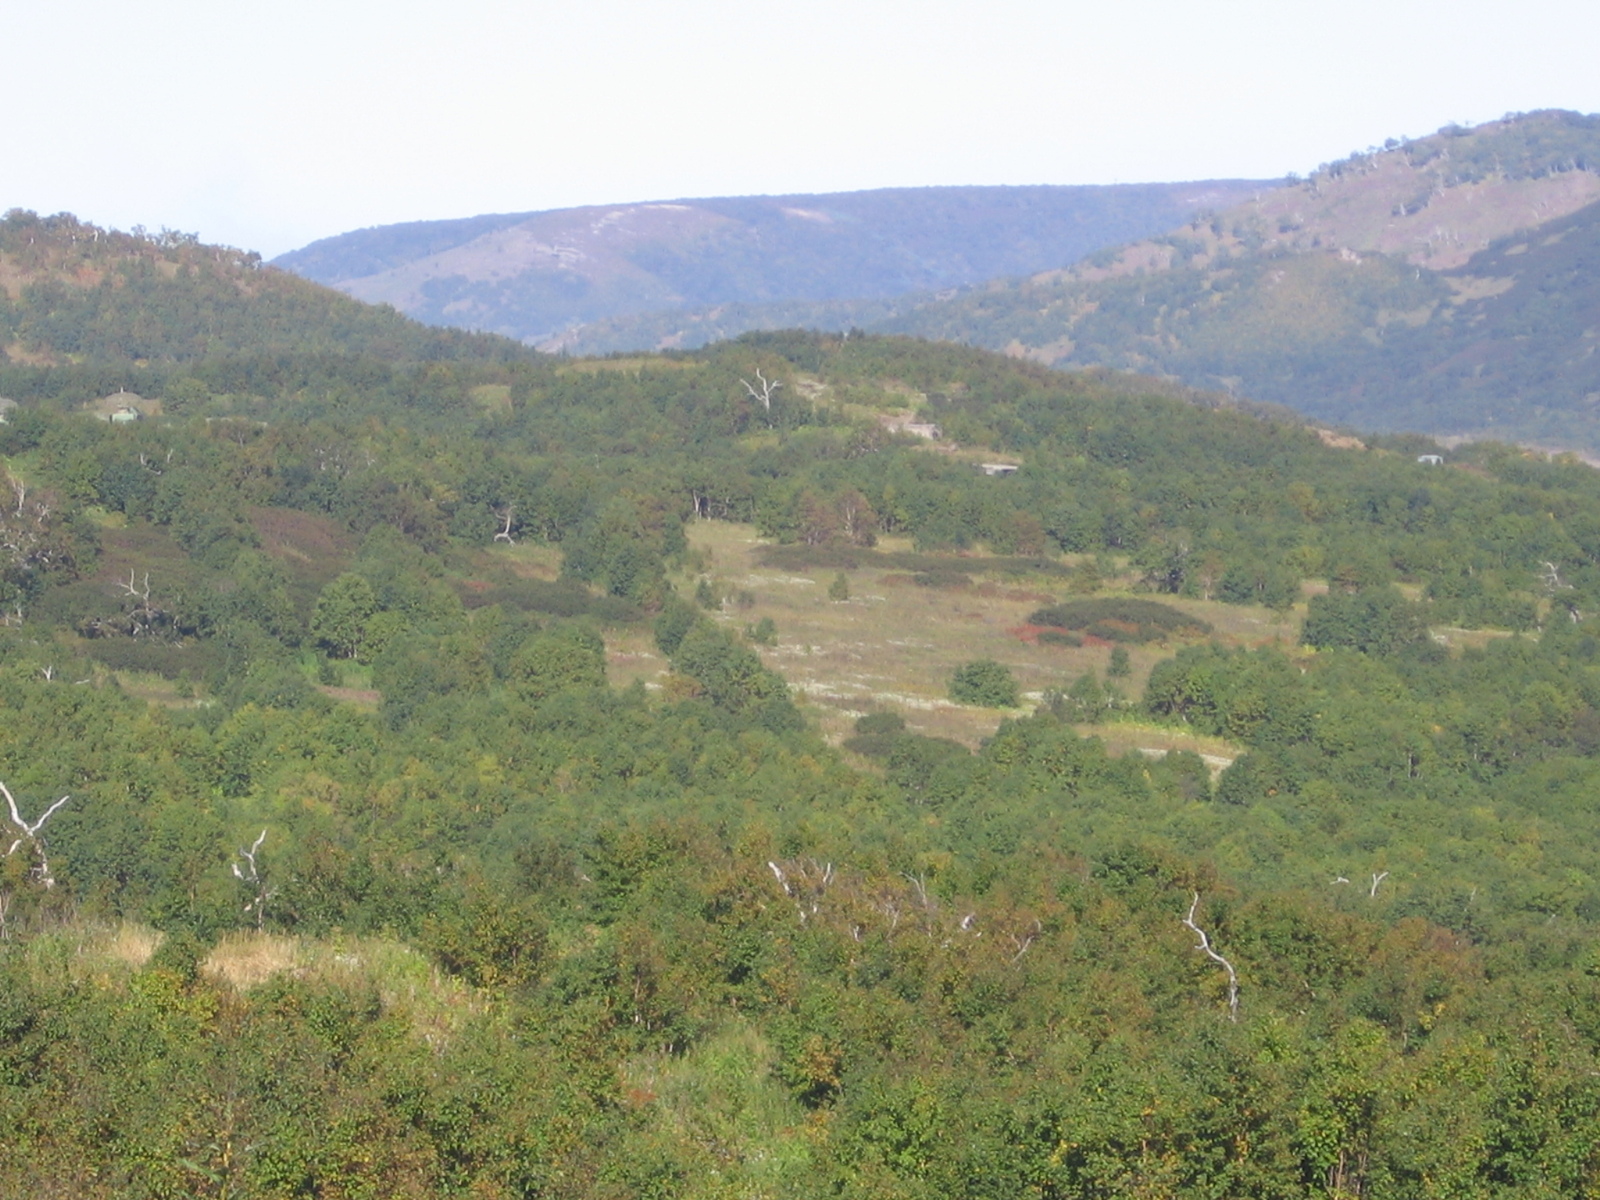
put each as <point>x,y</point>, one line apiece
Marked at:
<point>505,534</point>
<point>920,885</point>
<point>768,386</point>
<point>143,617</point>
<point>1205,947</point>
<point>30,834</point>
<point>806,883</point>
<point>1023,938</point>
<point>250,875</point>
<point>1377,878</point>
<point>131,589</point>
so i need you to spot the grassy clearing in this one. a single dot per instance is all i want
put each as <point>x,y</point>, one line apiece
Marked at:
<point>1458,640</point>
<point>407,983</point>
<point>525,560</point>
<point>895,643</point>
<point>157,689</point>
<point>629,366</point>
<point>632,657</point>
<point>1144,737</point>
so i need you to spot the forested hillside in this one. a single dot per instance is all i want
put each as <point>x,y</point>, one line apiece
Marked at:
<point>545,277</point>
<point>438,820</point>
<point>72,292</point>
<point>1444,284</point>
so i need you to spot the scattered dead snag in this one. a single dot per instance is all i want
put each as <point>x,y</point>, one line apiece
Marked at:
<point>806,883</point>
<point>768,386</point>
<point>30,834</point>
<point>1206,948</point>
<point>252,878</point>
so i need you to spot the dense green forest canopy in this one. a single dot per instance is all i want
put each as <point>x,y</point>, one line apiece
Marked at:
<point>564,938</point>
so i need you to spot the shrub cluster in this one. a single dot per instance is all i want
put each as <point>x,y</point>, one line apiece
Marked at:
<point>1120,620</point>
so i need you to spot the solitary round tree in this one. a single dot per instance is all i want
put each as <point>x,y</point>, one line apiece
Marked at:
<point>985,683</point>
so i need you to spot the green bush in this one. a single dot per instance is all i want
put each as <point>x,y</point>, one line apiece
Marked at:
<point>1120,620</point>
<point>1373,621</point>
<point>985,683</point>
<point>1060,637</point>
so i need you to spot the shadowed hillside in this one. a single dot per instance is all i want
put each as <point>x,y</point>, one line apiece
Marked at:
<point>540,276</point>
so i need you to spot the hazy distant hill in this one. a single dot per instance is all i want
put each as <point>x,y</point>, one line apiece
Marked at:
<point>1447,284</point>
<point>72,292</point>
<point>540,276</point>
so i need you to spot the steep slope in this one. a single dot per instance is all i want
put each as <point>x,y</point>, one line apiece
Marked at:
<point>538,276</point>
<point>72,292</point>
<point>1392,290</point>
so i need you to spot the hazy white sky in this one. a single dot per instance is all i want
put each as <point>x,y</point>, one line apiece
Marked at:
<point>266,125</point>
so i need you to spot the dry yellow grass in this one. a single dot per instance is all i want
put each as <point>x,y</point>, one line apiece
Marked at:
<point>434,1003</point>
<point>247,960</point>
<point>894,644</point>
<point>131,945</point>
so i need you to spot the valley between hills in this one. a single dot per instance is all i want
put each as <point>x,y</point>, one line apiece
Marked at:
<point>815,762</point>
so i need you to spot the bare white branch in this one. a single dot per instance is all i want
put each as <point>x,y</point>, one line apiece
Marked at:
<point>252,877</point>
<point>1205,947</point>
<point>783,880</point>
<point>30,833</point>
<point>921,885</point>
<point>806,882</point>
<point>1024,939</point>
<point>768,386</point>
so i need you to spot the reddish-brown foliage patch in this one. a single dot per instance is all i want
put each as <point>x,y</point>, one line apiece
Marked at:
<point>310,544</point>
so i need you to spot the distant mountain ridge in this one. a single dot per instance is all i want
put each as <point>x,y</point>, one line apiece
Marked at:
<point>1447,285</point>
<point>542,277</point>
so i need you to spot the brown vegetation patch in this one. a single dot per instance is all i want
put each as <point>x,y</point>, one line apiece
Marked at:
<point>1340,441</point>
<point>314,545</point>
<point>369,697</point>
<point>1030,633</point>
